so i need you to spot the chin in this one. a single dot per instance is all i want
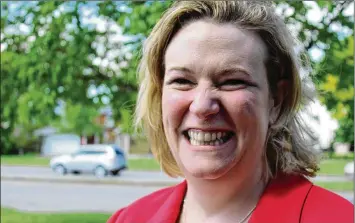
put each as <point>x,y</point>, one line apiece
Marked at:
<point>208,169</point>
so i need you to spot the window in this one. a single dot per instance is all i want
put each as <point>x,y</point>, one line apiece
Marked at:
<point>118,151</point>
<point>91,152</point>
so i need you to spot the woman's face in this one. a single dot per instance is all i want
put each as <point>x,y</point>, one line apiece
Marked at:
<point>216,103</point>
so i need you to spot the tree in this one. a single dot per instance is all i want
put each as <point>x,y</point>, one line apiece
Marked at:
<point>333,74</point>
<point>79,119</point>
<point>335,81</point>
<point>50,53</point>
<point>324,35</point>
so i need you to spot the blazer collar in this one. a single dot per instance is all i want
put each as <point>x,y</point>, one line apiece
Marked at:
<point>282,201</point>
<point>169,211</point>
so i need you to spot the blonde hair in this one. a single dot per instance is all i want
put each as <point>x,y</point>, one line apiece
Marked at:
<point>286,148</point>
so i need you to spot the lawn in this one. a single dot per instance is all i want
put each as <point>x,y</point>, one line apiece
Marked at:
<point>13,216</point>
<point>337,186</point>
<point>34,160</point>
<point>143,164</point>
<point>334,166</point>
<point>27,159</point>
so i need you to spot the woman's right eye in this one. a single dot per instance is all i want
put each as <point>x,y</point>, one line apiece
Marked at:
<point>181,81</point>
<point>181,84</point>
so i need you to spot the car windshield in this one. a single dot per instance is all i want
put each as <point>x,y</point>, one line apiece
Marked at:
<point>118,151</point>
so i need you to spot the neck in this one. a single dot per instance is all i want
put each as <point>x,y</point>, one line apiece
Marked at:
<point>237,190</point>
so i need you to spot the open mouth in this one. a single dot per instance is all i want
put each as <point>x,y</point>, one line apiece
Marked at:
<point>211,138</point>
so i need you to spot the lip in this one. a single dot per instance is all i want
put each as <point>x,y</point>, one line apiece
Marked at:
<point>209,148</point>
<point>208,129</point>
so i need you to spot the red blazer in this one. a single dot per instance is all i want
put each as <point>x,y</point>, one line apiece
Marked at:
<point>286,199</point>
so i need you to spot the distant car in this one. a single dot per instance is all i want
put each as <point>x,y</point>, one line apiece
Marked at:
<point>349,169</point>
<point>98,159</point>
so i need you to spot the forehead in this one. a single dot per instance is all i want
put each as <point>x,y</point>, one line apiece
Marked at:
<point>215,45</point>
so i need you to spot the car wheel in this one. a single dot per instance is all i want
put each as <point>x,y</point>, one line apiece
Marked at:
<point>115,172</point>
<point>100,172</point>
<point>60,169</point>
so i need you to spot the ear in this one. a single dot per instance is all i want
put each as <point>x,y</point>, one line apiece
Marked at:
<point>276,100</point>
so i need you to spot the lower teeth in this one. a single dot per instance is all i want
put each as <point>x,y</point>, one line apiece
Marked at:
<point>211,143</point>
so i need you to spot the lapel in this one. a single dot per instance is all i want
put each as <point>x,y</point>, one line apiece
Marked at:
<point>169,211</point>
<point>282,200</point>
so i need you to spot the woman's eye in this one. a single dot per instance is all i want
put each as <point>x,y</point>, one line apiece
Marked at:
<point>233,82</point>
<point>181,81</point>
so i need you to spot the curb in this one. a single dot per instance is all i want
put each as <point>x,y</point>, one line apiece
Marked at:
<point>46,167</point>
<point>41,166</point>
<point>93,181</point>
<point>107,182</point>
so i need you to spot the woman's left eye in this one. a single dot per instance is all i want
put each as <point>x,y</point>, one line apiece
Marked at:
<point>233,82</point>
<point>181,81</point>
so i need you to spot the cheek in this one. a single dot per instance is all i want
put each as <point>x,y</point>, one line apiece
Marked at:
<point>174,106</point>
<point>249,108</point>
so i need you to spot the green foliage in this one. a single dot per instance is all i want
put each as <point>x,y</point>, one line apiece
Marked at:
<point>79,119</point>
<point>334,74</point>
<point>59,56</point>
<point>52,60</point>
<point>136,18</point>
<point>139,18</point>
<point>335,81</point>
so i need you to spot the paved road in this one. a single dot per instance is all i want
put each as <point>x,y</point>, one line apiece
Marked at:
<point>73,197</point>
<point>67,197</point>
<point>143,177</point>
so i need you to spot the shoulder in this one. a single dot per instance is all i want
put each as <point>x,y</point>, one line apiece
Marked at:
<point>146,207</point>
<point>322,205</point>
<point>294,198</point>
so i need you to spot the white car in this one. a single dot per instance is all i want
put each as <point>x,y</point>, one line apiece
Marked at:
<point>98,159</point>
<point>349,169</point>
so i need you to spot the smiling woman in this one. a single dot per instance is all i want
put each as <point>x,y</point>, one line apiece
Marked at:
<point>219,98</point>
<point>208,100</point>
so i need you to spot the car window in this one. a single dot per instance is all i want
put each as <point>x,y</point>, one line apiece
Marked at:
<point>90,152</point>
<point>97,152</point>
<point>118,151</point>
<point>83,152</point>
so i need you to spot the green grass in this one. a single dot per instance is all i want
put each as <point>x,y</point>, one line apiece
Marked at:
<point>335,156</point>
<point>139,146</point>
<point>143,164</point>
<point>327,166</point>
<point>333,166</point>
<point>27,159</point>
<point>33,160</point>
<point>9,215</point>
<point>337,186</point>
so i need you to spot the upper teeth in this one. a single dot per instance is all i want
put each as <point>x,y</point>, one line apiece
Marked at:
<point>205,136</point>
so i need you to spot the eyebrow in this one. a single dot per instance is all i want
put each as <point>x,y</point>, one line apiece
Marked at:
<point>231,70</point>
<point>224,72</point>
<point>181,69</point>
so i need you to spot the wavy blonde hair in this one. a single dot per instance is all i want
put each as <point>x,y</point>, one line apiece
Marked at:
<point>286,149</point>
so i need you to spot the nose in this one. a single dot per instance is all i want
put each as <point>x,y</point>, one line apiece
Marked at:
<point>205,104</point>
